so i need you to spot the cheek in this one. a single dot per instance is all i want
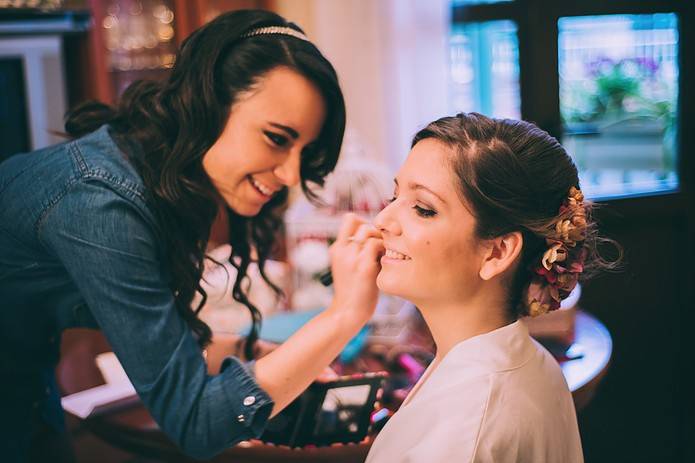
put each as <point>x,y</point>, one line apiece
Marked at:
<point>228,157</point>
<point>428,246</point>
<point>446,261</point>
<point>223,166</point>
<point>464,261</point>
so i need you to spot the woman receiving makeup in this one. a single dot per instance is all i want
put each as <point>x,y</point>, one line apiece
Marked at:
<point>487,224</point>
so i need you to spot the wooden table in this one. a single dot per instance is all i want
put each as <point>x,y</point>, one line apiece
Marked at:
<point>134,430</point>
<point>584,374</point>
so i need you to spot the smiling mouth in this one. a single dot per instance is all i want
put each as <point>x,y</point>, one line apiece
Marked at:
<point>391,254</point>
<point>264,190</point>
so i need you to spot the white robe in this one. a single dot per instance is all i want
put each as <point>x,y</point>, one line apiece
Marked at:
<point>496,397</point>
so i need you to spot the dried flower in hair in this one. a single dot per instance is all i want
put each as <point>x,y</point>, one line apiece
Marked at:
<point>556,253</point>
<point>552,281</point>
<point>568,233</point>
<point>579,220</point>
<point>576,194</point>
<point>567,281</point>
<point>535,309</point>
<point>562,228</point>
<point>541,297</point>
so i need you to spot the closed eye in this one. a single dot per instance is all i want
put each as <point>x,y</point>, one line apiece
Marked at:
<point>276,138</point>
<point>423,212</point>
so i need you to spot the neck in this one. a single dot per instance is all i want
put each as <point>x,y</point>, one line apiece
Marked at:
<point>219,232</point>
<point>453,322</point>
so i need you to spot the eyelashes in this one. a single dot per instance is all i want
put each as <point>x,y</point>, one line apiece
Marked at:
<point>421,211</point>
<point>276,139</point>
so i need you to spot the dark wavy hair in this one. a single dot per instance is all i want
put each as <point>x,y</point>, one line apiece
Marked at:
<point>174,122</point>
<point>514,177</point>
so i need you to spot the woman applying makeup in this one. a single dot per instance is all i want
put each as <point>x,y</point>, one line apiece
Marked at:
<point>110,230</point>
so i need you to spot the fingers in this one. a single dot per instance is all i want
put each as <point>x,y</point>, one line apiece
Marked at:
<point>364,232</point>
<point>355,229</point>
<point>354,264</point>
<point>357,249</point>
<point>348,227</point>
<point>374,248</point>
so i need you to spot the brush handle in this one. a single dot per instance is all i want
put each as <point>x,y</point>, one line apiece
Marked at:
<point>326,277</point>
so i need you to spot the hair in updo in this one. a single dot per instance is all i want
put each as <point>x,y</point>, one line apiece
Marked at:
<point>516,177</point>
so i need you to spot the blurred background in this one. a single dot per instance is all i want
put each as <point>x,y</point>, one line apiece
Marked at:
<point>609,78</point>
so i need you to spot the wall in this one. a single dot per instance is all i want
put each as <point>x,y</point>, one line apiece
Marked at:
<point>391,59</point>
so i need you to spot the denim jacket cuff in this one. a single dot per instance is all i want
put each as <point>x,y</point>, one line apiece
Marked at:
<point>252,405</point>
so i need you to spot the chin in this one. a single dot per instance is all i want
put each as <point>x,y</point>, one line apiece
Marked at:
<point>248,212</point>
<point>389,285</point>
<point>245,209</point>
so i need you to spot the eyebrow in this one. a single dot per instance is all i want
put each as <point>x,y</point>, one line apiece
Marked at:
<point>419,186</point>
<point>290,131</point>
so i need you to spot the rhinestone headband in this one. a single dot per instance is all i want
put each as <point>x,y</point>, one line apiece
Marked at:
<point>281,30</point>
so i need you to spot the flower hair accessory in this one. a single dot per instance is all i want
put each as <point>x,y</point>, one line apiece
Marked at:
<point>556,273</point>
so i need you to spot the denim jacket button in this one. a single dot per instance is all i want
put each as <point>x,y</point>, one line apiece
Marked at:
<point>250,400</point>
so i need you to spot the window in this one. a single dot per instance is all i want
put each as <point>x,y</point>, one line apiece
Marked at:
<point>604,81</point>
<point>485,56</point>
<point>618,94</point>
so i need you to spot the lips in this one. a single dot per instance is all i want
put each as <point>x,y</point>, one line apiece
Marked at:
<point>262,188</point>
<point>392,254</point>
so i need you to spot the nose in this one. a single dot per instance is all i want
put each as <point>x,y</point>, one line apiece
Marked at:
<point>288,171</point>
<point>386,221</point>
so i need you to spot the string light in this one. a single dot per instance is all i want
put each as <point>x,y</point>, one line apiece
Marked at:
<point>139,37</point>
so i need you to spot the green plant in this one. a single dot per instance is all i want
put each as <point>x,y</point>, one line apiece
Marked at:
<point>617,90</point>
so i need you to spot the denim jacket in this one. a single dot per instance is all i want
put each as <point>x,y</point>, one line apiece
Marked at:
<point>80,247</point>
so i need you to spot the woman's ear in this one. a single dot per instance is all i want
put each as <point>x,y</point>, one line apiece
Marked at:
<point>500,254</point>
